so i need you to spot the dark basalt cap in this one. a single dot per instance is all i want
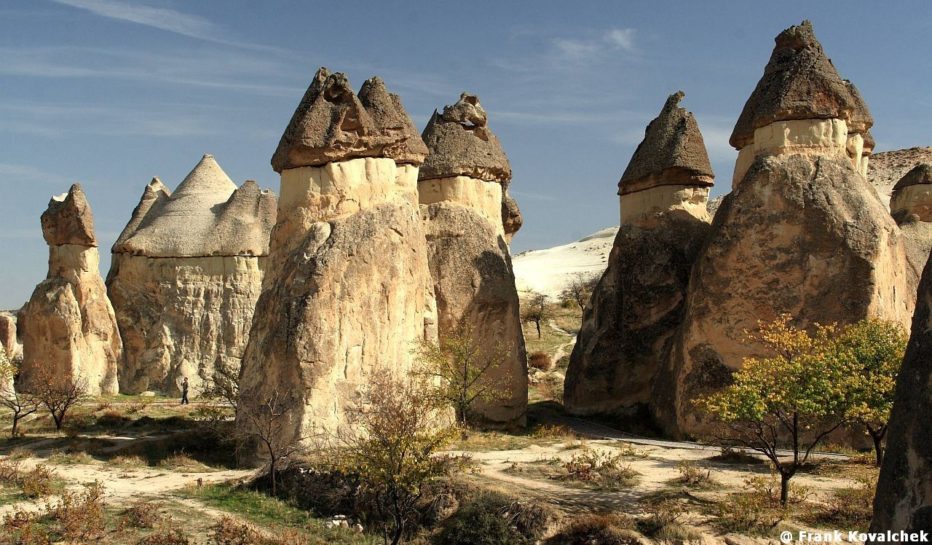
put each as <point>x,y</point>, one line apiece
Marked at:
<point>461,144</point>
<point>672,152</point>
<point>331,124</point>
<point>920,174</point>
<point>69,220</point>
<point>799,82</point>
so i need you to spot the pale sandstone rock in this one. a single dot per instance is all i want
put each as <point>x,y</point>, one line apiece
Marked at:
<point>636,308</point>
<point>888,167</point>
<point>913,194</point>
<point>348,290</point>
<point>8,334</point>
<point>185,276</point>
<point>512,220</point>
<point>904,491</point>
<point>461,194</point>
<point>801,234</point>
<point>68,327</point>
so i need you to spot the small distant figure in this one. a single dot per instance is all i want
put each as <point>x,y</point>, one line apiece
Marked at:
<point>184,391</point>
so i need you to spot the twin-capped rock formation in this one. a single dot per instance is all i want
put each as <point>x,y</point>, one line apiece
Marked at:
<point>637,306</point>
<point>904,490</point>
<point>802,231</point>
<point>911,206</point>
<point>186,273</point>
<point>348,290</point>
<point>68,328</point>
<point>462,187</point>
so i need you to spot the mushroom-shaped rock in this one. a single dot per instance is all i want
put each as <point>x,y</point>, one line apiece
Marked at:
<point>331,123</point>
<point>799,82</point>
<point>461,144</point>
<point>467,218</point>
<point>638,304</point>
<point>185,276</point>
<point>911,207</point>
<point>68,327</point>
<point>347,288</point>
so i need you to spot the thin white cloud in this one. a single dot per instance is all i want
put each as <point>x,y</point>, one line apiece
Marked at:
<point>166,19</point>
<point>612,40</point>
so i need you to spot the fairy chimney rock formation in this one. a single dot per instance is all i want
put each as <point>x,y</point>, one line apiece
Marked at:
<point>670,169</point>
<point>461,187</point>
<point>68,327</point>
<point>801,106</point>
<point>904,490</point>
<point>802,232</point>
<point>185,276</point>
<point>638,304</point>
<point>912,195</point>
<point>348,288</point>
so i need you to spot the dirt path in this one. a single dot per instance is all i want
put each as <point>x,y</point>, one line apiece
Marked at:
<point>123,485</point>
<point>563,348</point>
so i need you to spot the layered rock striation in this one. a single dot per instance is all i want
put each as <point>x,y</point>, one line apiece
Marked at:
<point>68,328</point>
<point>461,188</point>
<point>637,306</point>
<point>802,232</point>
<point>185,276</point>
<point>348,290</point>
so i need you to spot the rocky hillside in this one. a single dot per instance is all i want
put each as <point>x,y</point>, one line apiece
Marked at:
<point>885,168</point>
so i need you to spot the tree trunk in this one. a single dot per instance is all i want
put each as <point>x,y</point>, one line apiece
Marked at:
<point>537,323</point>
<point>877,437</point>
<point>785,488</point>
<point>16,418</point>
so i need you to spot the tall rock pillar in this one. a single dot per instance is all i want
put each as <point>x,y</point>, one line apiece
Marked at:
<point>462,193</point>
<point>802,231</point>
<point>68,327</point>
<point>348,288</point>
<point>637,306</point>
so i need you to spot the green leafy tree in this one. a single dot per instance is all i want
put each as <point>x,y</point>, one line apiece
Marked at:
<point>789,400</point>
<point>391,444</point>
<point>534,309</point>
<point>460,366</point>
<point>873,352</point>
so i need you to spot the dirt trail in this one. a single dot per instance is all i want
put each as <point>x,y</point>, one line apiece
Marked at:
<point>562,349</point>
<point>122,485</point>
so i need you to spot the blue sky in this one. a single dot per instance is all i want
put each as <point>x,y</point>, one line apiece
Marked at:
<point>110,93</point>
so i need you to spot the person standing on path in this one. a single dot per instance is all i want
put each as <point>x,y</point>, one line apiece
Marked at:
<point>184,391</point>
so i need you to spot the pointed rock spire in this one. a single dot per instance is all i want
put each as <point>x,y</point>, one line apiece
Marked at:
<point>331,124</point>
<point>461,144</point>
<point>69,220</point>
<point>799,82</point>
<point>672,152</point>
<point>195,219</point>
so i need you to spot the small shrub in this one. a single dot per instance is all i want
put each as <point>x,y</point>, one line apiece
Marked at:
<point>104,406</point>
<point>757,510</point>
<point>170,536</point>
<point>37,482</point>
<point>693,476</point>
<point>540,360</point>
<point>70,458</point>
<point>142,514</point>
<point>664,515</point>
<point>81,516</point>
<point>128,461</point>
<point>21,528</point>
<point>600,467</point>
<point>228,531</point>
<point>20,453</point>
<point>597,529</point>
<point>552,431</point>
<point>483,520</point>
<point>848,507</point>
<point>182,462</point>
<point>730,455</point>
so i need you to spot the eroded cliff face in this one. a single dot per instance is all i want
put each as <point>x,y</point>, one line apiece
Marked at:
<point>185,276</point>
<point>68,327</point>
<point>347,290</point>
<point>904,490</point>
<point>801,234</point>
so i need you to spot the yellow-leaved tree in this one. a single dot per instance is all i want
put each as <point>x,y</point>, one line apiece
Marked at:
<point>872,350</point>
<point>784,404</point>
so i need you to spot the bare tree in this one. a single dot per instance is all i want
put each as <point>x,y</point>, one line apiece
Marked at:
<point>580,289</point>
<point>224,385</point>
<point>59,393</point>
<point>462,365</point>
<point>535,310</point>
<point>20,404</point>
<point>267,421</point>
